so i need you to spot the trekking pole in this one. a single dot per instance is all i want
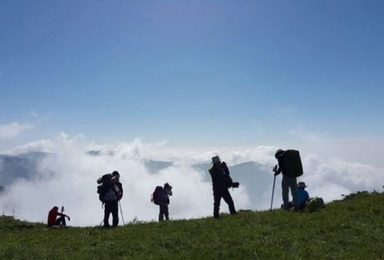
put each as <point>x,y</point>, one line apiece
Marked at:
<point>121,212</point>
<point>273,191</point>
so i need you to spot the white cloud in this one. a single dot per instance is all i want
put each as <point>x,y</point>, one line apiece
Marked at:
<point>69,178</point>
<point>13,130</point>
<point>38,146</point>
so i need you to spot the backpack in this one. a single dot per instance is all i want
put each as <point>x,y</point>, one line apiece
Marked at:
<point>292,165</point>
<point>106,189</point>
<point>159,196</point>
<point>314,204</point>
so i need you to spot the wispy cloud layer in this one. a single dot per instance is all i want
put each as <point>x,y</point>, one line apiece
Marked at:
<point>13,130</point>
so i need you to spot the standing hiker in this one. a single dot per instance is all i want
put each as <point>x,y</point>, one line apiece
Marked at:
<point>56,218</point>
<point>289,164</point>
<point>221,182</point>
<point>161,197</point>
<point>110,193</point>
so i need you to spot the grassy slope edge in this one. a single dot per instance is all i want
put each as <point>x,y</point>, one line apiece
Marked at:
<point>348,229</point>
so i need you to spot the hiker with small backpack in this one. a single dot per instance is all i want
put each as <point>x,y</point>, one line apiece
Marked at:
<point>161,197</point>
<point>221,182</point>
<point>110,193</point>
<point>289,164</point>
<point>56,218</point>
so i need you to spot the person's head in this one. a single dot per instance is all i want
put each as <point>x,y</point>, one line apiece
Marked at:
<point>279,153</point>
<point>167,186</point>
<point>216,161</point>
<point>301,185</point>
<point>55,208</point>
<point>115,177</point>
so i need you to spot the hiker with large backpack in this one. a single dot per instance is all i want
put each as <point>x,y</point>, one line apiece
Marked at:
<point>110,193</point>
<point>221,182</point>
<point>289,164</point>
<point>161,198</point>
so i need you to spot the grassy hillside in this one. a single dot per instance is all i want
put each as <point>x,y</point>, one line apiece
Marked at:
<point>348,229</point>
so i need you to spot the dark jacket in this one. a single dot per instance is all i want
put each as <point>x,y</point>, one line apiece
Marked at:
<point>220,178</point>
<point>164,198</point>
<point>281,168</point>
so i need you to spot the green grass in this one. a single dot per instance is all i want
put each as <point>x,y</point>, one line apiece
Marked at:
<point>348,229</point>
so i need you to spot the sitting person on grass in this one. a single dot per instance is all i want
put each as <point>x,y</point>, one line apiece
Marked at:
<point>56,218</point>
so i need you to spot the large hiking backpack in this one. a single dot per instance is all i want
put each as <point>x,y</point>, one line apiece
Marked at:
<point>107,192</point>
<point>106,189</point>
<point>159,196</point>
<point>292,163</point>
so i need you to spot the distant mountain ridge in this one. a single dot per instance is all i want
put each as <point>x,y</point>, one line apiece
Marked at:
<point>23,166</point>
<point>254,177</point>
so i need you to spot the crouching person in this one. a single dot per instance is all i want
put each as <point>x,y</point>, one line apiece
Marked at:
<point>302,195</point>
<point>56,218</point>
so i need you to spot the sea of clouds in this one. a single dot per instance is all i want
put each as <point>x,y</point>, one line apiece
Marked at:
<point>68,177</point>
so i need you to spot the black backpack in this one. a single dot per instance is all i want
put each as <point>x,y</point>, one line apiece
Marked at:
<point>106,189</point>
<point>159,196</point>
<point>292,165</point>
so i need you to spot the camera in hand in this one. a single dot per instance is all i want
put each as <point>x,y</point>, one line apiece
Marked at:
<point>235,184</point>
<point>229,182</point>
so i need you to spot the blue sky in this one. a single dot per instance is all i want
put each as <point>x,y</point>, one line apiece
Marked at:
<point>193,73</point>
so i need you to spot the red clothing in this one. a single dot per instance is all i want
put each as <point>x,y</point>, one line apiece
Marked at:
<point>52,216</point>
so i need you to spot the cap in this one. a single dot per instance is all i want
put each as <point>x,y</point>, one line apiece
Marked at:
<point>215,159</point>
<point>301,185</point>
<point>278,152</point>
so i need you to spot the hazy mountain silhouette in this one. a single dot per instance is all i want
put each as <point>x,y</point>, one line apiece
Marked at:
<point>155,166</point>
<point>254,177</point>
<point>21,166</point>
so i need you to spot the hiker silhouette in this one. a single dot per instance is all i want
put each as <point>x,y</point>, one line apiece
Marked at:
<point>289,164</point>
<point>160,197</point>
<point>110,193</point>
<point>221,181</point>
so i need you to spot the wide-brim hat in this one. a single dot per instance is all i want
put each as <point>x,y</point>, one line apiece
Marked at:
<point>216,159</point>
<point>301,185</point>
